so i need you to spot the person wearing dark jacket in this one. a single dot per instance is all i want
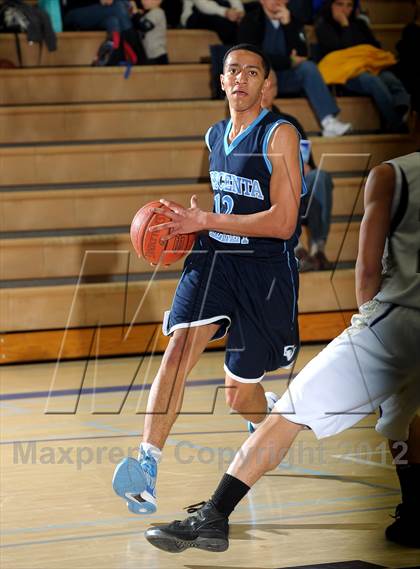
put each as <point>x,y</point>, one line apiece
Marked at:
<point>339,28</point>
<point>316,206</point>
<point>272,27</point>
<point>109,15</point>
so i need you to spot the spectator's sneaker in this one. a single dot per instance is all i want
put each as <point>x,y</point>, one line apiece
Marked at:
<point>333,127</point>
<point>272,399</point>
<point>405,529</point>
<point>306,262</point>
<point>206,529</point>
<point>106,49</point>
<point>321,263</point>
<point>135,482</point>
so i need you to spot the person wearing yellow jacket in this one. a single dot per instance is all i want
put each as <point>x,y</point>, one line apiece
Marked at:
<point>365,68</point>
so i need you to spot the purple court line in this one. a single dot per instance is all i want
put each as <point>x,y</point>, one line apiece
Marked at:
<point>117,388</point>
<point>139,434</point>
<point>122,436</point>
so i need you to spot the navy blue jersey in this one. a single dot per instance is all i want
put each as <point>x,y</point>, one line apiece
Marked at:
<point>240,175</point>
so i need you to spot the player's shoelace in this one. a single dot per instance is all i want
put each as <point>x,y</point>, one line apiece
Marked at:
<point>193,508</point>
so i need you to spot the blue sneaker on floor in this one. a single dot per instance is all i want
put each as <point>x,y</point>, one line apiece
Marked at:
<point>272,399</point>
<point>135,482</point>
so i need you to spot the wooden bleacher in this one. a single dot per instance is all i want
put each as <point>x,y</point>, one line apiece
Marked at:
<point>168,159</point>
<point>389,11</point>
<point>80,48</point>
<point>143,120</point>
<point>41,257</point>
<point>184,46</point>
<point>82,148</point>
<point>101,206</point>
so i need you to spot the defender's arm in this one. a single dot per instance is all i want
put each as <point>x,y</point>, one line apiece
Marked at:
<point>374,229</point>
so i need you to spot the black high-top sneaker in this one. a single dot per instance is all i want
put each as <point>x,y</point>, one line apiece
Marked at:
<point>406,528</point>
<point>206,529</point>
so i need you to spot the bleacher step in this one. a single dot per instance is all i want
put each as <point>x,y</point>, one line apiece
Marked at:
<point>84,163</point>
<point>111,121</point>
<point>80,48</point>
<point>57,307</point>
<point>111,254</point>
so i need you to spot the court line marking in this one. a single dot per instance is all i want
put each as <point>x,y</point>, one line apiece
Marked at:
<point>123,436</point>
<point>245,522</point>
<point>138,434</point>
<point>314,515</point>
<point>338,478</point>
<point>137,519</point>
<point>118,388</point>
<point>352,458</point>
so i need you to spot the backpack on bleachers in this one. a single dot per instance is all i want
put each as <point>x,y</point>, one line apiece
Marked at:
<point>124,48</point>
<point>17,17</point>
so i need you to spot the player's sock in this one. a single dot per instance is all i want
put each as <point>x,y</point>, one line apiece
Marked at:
<point>151,450</point>
<point>228,494</point>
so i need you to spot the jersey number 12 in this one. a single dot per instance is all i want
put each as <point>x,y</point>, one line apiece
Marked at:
<point>226,201</point>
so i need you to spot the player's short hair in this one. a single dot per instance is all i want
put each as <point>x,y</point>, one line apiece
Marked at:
<point>253,49</point>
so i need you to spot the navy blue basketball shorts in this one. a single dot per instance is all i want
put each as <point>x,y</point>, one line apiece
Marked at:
<point>253,300</point>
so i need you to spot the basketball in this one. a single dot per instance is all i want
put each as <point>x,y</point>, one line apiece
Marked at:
<point>149,245</point>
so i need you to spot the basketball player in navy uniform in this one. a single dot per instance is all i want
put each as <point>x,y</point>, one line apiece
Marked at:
<point>374,363</point>
<point>240,279</point>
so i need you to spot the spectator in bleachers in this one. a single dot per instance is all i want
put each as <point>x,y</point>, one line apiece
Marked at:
<point>408,68</point>
<point>149,18</point>
<point>109,15</point>
<point>220,16</point>
<point>307,10</point>
<point>339,28</point>
<point>272,27</point>
<point>317,6</point>
<point>317,204</point>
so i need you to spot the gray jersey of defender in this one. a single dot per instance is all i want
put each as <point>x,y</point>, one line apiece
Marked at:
<point>401,275</point>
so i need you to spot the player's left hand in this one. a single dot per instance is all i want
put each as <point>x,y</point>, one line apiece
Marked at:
<point>183,220</point>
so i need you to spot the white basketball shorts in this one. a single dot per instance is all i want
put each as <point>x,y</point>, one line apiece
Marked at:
<point>373,363</point>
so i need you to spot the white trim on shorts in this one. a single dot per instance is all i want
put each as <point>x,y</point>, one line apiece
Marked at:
<point>242,379</point>
<point>194,324</point>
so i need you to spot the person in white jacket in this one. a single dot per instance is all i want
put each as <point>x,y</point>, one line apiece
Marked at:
<point>220,16</point>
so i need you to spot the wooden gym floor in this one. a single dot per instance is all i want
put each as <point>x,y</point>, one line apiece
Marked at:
<point>329,503</point>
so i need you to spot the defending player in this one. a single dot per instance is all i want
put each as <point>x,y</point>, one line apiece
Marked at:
<point>375,362</point>
<point>241,277</point>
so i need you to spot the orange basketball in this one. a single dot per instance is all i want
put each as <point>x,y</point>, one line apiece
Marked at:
<point>149,244</point>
